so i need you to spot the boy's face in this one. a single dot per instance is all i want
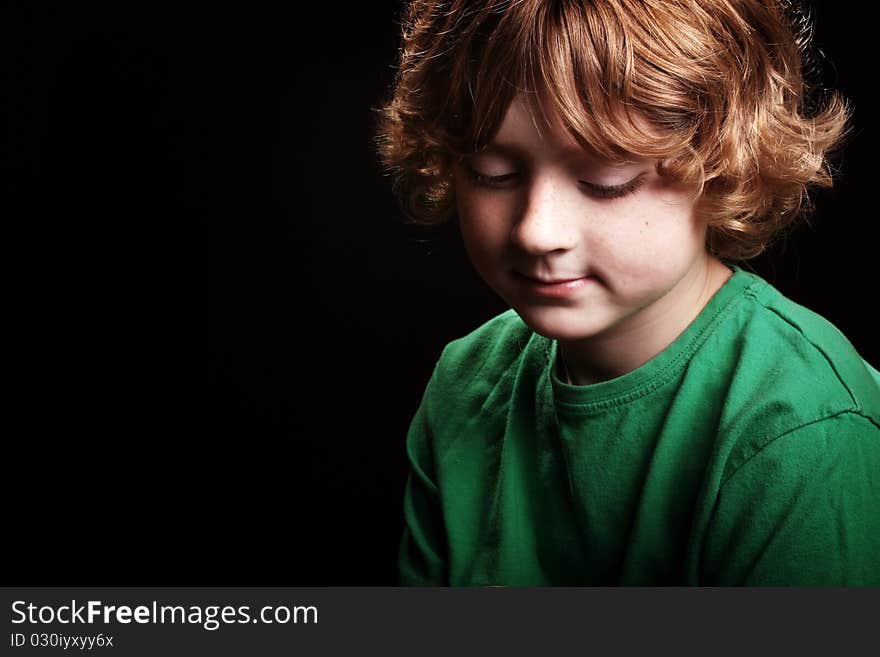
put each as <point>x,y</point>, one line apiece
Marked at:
<point>577,246</point>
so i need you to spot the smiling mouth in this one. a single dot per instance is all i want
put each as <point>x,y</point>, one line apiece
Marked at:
<point>549,281</point>
<point>555,287</point>
<point>556,281</point>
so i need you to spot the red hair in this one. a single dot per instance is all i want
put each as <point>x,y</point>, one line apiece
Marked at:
<point>712,89</point>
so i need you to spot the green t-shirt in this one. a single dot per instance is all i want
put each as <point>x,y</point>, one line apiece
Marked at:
<point>746,453</point>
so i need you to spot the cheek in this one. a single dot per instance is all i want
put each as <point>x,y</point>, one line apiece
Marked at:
<point>652,238</point>
<point>483,220</point>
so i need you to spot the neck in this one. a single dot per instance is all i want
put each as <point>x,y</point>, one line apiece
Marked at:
<point>635,340</point>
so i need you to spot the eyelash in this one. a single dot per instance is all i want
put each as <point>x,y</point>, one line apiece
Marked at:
<point>599,191</point>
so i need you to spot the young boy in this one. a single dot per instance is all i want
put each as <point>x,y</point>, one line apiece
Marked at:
<point>647,413</point>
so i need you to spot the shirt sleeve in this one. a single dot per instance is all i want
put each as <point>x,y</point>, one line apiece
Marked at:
<point>422,559</point>
<point>802,511</point>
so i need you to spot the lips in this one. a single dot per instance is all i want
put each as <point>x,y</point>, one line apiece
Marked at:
<point>554,281</point>
<point>554,288</point>
<point>550,281</point>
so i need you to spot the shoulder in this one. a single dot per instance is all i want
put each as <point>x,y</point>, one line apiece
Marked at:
<point>792,369</point>
<point>489,349</point>
<point>814,349</point>
<point>474,378</point>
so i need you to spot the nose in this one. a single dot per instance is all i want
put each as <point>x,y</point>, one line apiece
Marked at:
<point>548,219</point>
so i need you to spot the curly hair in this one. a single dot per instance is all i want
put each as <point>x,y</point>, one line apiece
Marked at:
<point>711,89</point>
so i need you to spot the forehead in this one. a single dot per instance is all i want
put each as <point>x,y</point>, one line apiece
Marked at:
<point>531,128</point>
<point>529,122</point>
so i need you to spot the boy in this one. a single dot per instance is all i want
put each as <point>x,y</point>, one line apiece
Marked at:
<point>647,413</point>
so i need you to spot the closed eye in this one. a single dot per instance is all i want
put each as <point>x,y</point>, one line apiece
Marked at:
<point>593,189</point>
<point>492,181</point>
<point>613,191</point>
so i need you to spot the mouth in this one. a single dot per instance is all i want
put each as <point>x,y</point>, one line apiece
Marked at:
<point>552,287</point>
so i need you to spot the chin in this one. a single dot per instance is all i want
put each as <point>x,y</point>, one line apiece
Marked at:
<point>565,324</point>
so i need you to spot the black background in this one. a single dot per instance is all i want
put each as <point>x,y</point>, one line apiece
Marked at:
<point>219,326</point>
